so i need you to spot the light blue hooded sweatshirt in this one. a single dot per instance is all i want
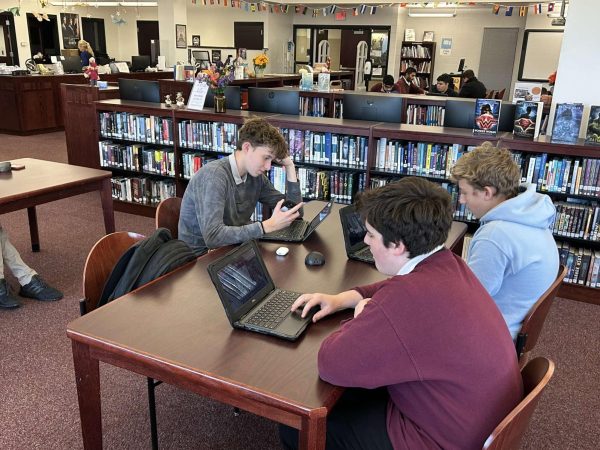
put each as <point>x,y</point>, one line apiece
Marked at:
<point>514,254</point>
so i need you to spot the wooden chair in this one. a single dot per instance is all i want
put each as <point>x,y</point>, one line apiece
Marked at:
<point>491,93</point>
<point>167,215</point>
<point>500,94</point>
<point>508,434</point>
<point>535,318</point>
<point>100,261</point>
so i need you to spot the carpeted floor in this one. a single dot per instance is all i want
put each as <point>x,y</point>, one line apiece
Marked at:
<point>38,403</point>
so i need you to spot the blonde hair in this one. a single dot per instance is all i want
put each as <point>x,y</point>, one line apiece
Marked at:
<point>489,166</point>
<point>87,45</point>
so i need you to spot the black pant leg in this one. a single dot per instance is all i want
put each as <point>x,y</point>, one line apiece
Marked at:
<point>357,421</point>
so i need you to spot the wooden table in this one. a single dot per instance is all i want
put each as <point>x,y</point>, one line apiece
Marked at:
<point>183,338</point>
<point>46,181</point>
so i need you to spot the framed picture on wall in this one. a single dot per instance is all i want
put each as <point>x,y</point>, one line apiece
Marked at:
<point>428,36</point>
<point>195,40</point>
<point>70,29</point>
<point>180,36</point>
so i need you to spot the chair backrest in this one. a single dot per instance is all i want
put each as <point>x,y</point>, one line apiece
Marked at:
<point>167,215</point>
<point>491,93</point>
<point>100,261</point>
<point>508,434</point>
<point>500,94</point>
<point>535,318</point>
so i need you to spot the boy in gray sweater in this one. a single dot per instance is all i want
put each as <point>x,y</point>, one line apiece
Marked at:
<point>221,197</point>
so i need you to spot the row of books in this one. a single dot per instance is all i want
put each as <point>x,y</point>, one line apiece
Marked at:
<point>209,136</point>
<point>316,184</point>
<point>338,109</point>
<point>420,67</point>
<point>136,127</point>
<point>137,157</point>
<point>191,163</point>
<point>327,148</point>
<point>583,265</point>
<point>313,106</point>
<point>577,221</point>
<point>425,115</point>
<point>146,191</point>
<point>415,51</point>
<point>577,176</point>
<point>417,158</point>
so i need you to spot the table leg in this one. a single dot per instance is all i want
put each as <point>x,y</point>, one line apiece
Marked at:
<point>107,206</point>
<point>33,229</point>
<point>313,433</point>
<point>87,378</point>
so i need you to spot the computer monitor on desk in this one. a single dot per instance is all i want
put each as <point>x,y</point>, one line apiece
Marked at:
<point>139,63</point>
<point>377,107</point>
<point>232,97</point>
<point>460,113</point>
<point>277,101</point>
<point>139,90</point>
<point>72,64</point>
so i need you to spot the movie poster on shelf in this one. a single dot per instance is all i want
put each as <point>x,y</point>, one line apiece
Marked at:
<point>70,29</point>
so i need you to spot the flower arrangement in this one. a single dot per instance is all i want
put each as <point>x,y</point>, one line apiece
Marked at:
<point>217,77</point>
<point>260,61</point>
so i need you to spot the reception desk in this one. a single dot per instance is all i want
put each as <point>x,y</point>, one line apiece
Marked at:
<point>32,104</point>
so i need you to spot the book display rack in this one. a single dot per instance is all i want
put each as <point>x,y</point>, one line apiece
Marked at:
<point>336,158</point>
<point>421,56</point>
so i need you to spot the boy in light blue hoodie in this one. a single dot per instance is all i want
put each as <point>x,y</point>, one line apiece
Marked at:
<point>513,252</point>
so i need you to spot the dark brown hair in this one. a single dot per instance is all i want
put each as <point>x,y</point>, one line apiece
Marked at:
<point>260,133</point>
<point>413,211</point>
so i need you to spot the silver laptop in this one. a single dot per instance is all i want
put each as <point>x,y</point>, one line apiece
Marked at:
<point>250,298</point>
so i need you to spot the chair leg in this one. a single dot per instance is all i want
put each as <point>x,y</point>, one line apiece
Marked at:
<point>152,411</point>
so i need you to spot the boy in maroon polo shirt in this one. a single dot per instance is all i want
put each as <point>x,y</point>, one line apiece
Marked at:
<point>428,357</point>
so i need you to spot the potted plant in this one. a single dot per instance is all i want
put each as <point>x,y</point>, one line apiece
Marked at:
<point>260,63</point>
<point>218,77</point>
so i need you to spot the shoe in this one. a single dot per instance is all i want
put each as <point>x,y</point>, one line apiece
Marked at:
<point>39,290</point>
<point>6,299</point>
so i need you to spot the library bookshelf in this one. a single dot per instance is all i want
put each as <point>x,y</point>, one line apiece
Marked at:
<point>421,56</point>
<point>337,158</point>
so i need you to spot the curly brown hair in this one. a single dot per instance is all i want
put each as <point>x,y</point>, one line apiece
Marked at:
<point>260,133</point>
<point>413,211</point>
<point>489,166</point>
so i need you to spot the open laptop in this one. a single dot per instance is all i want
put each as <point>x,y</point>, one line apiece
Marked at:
<point>299,229</point>
<point>250,298</point>
<point>354,233</point>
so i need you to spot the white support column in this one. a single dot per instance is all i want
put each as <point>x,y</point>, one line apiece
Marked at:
<point>579,63</point>
<point>171,13</point>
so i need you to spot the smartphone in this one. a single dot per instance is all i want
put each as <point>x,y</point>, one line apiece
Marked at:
<point>288,204</point>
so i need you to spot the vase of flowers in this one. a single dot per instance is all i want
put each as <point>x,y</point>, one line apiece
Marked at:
<point>260,63</point>
<point>218,77</point>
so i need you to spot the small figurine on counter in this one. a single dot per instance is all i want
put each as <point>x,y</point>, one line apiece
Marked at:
<point>179,100</point>
<point>91,72</point>
<point>168,101</point>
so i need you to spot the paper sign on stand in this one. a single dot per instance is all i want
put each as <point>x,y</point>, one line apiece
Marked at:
<point>197,96</point>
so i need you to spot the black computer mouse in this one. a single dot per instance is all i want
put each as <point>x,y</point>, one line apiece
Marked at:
<point>314,259</point>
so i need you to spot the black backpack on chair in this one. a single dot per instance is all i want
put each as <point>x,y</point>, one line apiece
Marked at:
<point>147,260</point>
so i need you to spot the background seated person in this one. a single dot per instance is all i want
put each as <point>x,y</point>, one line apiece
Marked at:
<point>407,83</point>
<point>513,252</point>
<point>388,85</point>
<point>471,87</point>
<point>444,85</point>
<point>428,360</point>
<point>221,197</point>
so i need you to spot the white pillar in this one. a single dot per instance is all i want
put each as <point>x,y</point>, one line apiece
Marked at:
<point>579,63</point>
<point>171,13</point>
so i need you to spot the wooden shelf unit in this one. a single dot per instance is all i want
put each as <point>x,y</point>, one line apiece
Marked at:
<point>421,56</point>
<point>372,131</point>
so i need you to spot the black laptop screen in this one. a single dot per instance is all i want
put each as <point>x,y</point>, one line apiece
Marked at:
<point>356,229</point>
<point>242,279</point>
<point>320,217</point>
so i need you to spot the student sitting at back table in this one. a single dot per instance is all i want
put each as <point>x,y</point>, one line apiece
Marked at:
<point>513,252</point>
<point>221,197</point>
<point>406,83</point>
<point>32,286</point>
<point>471,87</point>
<point>427,357</point>
<point>387,86</point>
<point>444,85</point>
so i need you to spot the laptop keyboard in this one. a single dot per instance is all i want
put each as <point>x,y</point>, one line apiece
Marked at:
<point>274,311</point>
<point>365,252</point>
<point>294,231</point>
